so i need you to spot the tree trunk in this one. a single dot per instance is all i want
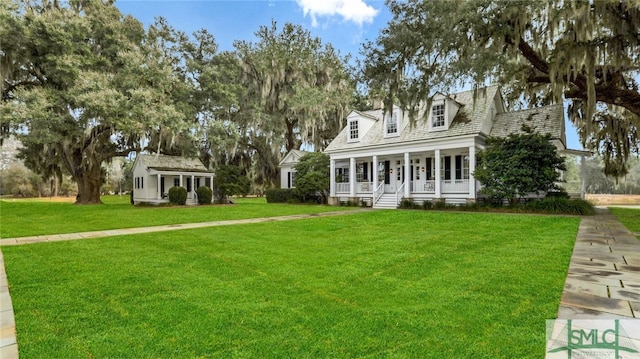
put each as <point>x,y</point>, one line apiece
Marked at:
<point>88,185</point>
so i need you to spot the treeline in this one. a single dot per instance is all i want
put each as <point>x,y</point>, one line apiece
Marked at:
<point>83,84</point>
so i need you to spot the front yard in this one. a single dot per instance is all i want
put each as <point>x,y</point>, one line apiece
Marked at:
<point>375,284</point>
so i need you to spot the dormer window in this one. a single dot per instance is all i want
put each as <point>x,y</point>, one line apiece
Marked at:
<point>392,124</point>
<point>437,116</point>
<point>353,130</point>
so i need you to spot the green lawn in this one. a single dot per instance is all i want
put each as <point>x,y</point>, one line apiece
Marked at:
<point>630,217</point>
<point>375,284</point>
<point>22,218</point>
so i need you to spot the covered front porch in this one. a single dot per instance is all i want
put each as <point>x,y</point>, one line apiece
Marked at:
<point>383,180</point>
<point>156,191</point>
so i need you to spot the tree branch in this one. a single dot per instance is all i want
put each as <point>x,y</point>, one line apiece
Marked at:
<point>610,92</point>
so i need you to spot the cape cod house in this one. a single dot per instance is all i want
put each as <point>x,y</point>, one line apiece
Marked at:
<point>287,168</point>
<point>153,175</point>
<point>381,157</point>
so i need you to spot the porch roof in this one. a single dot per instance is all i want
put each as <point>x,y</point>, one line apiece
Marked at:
<point>468,121</point>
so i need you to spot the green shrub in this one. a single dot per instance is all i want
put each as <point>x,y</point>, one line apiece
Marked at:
<point>439,204</point>
<point>555,205</point>
<point>281,195</point>
<point>178,195</point>
<point>427,205</point>
<point>204,195</point>
<point>349,203</point>
<point>408,203</point>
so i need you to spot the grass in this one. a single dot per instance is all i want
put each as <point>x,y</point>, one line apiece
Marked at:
<point>374,284</point>
<point>630,217</point>
<point>28,218</point>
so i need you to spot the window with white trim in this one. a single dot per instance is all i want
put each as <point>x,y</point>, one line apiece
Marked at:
<point>362,172</point>
<point>437,115</point>
<point>392,124</point>
<point>462,167</point>
<point>353,130</point>
<point>342,175</point>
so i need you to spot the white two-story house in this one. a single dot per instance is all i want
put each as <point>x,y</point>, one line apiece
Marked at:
<point>381,156</point>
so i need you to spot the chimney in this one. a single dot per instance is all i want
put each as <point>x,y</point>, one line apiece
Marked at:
<point>378,104</point>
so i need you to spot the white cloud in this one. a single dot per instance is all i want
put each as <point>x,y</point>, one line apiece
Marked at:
<point>356,11</point>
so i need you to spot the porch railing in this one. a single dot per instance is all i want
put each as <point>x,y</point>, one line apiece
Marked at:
<point>364,187</point>
<point>458,185</point>
<point>342,187</point>
<point>430,186</point>
<point>361,187</point>
<point>400,190</point>
<point>378,192</point>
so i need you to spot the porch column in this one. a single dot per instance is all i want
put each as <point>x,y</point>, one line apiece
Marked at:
<point>438,179</point>
<point>180,183</point>
<point>352,177</point>
<point>193,186</point>
<point>211,184</point>
<point>407,176</point>
<point>583,183</point>
<point>472,168</point>
<point>332,178</point>
<point>158,193</point>
<point>374,171</point>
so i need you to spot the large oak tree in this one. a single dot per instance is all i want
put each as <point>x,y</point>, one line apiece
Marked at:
<point>297,92</point>
<point>81,84</point>
<point>583,52</point>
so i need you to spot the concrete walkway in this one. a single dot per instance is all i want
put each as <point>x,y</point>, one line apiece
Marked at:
<point>603,280</point>
<point>169,227</point>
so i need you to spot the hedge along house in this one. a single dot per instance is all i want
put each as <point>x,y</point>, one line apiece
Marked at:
<point>381,157</point>
<point>287,168</point>
<point>153,175</point>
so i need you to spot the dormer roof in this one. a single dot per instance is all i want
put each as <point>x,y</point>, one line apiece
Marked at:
<point>467,121</point>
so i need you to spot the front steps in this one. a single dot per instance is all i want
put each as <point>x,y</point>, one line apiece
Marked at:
<point>387,201</point>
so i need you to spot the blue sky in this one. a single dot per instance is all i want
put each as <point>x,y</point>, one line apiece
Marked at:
<point>343,23</point>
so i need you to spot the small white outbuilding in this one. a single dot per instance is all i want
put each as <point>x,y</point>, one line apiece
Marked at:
<point>154,174</point>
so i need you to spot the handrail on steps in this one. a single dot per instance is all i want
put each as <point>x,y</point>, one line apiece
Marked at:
<point>378,193</point>
<point>400,189</point>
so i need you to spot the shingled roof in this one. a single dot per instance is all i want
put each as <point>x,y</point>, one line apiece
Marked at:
<point>467,121</point>
<point>544,120</point>
<point>172,163</point>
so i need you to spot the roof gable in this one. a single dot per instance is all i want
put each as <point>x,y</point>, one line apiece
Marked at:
<point>292,157</point>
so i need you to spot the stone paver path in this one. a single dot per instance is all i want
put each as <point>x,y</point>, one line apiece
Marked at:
<point>603,280</point>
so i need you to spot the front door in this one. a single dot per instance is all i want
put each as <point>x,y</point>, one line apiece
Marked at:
<point>394,176</point>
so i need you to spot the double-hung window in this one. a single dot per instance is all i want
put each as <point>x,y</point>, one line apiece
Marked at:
<point>392,124</point>
<point>437,116</point>
<point>353,130</point>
